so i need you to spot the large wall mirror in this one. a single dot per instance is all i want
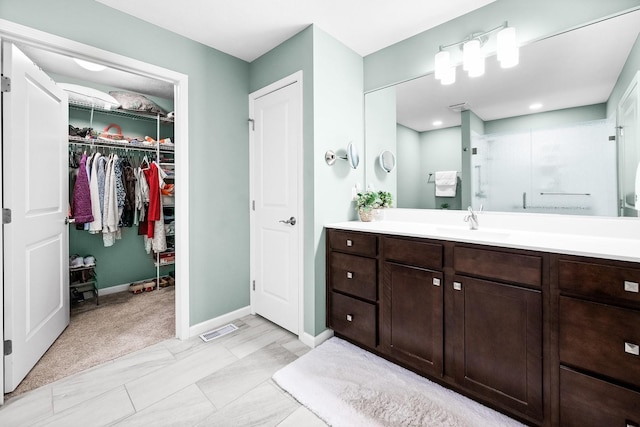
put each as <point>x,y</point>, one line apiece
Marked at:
<point>575,154</point>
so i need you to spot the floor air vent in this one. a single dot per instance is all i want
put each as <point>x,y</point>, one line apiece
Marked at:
<point>217,333</point>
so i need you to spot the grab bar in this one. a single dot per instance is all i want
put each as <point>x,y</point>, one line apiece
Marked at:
<point>565,194</point>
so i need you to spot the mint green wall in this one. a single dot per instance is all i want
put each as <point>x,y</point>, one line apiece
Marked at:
<point>218,110</point>
<point>439,151</point>
<point>471,125</point>
<point>631,67</point>
<point>338,119</point>
<point>411,177</point>
<point>533,20</point>
<point>547,119</point>
<point>380,134</point>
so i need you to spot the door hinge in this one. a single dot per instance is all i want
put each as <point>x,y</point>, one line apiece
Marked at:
<point>253,205</point>
<point>6,84</point>
<point>6,216</point>
<point>8,347</point>
<point>253,124</point>
<point>254,285</point>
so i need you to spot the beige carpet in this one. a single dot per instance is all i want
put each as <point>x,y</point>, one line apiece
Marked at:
<point>121,324</point>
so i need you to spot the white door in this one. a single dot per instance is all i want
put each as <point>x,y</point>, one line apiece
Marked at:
<point>629,148</point>
<point>35,188</point>
<point>276,148</point>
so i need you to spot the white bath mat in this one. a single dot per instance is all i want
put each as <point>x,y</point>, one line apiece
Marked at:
<point>347,386</point>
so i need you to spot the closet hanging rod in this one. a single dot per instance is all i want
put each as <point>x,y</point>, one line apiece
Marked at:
<point>128,146</point>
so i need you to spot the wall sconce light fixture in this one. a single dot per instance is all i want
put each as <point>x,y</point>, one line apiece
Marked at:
<point>472,56</point>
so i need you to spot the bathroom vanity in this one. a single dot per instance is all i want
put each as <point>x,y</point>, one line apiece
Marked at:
<point>541,325</point>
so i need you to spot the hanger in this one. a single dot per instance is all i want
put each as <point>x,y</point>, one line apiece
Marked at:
<point>145,160</point>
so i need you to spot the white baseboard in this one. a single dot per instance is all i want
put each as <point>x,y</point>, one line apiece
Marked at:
<point>198,329</point>
<point>312,341</point>
<point>113,289</point>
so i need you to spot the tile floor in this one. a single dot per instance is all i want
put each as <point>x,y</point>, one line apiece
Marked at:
<point>225,382</point>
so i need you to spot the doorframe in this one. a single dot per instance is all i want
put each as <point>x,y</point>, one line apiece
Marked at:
<point>21,34</point>
<point>286,81</point>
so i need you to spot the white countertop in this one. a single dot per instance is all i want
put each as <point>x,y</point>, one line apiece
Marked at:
<point>609,238</point>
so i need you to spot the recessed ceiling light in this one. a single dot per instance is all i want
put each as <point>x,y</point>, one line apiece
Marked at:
<point>437,123</point>
<point>91,66</point>
<point>535,106</point>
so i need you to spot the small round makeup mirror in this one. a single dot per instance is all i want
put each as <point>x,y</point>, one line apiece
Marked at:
<point>352,155</point>
<point>387,161</point>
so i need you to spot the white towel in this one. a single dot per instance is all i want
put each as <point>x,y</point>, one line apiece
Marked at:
<point>446,183</point>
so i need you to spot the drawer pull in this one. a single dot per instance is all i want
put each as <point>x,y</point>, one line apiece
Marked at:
<point>631,286</point>
<point>632,348</point>
<point>349,242</point>
<point>349,318</point>
<point>457,286</point>
<point>436,281</point>
<point>631,424</point>
<point>349,275</point>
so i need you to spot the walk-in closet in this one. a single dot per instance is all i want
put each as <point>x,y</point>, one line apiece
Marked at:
<point>121,212</point>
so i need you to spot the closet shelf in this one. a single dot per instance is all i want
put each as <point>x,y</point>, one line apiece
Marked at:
<point>135,115</point>
<point>117,144</point>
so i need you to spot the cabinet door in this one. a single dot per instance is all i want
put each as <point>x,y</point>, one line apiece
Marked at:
<point>498,343</point>
<point>412,316</point>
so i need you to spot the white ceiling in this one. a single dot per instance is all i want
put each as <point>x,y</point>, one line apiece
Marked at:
<point>247,29</point>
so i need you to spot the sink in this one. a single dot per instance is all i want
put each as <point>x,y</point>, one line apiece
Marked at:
<point>484,234</point>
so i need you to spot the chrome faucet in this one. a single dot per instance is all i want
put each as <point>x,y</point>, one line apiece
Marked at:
<point>472,219</point>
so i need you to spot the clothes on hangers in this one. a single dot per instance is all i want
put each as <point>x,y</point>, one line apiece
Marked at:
<point>116,194</point>
<point>82,195</point>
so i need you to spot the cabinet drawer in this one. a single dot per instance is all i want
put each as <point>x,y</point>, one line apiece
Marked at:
<point>587,401</point>
<point>516,268</point>
<point>355,243</point>
<point>600,338</point>
<point>600,280</point>
<point>412,252</point>
<point>353,319</point>
<point>354,275</point>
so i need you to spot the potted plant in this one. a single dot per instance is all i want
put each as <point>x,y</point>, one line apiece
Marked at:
<point>370,202</point>
<point>444,206</point>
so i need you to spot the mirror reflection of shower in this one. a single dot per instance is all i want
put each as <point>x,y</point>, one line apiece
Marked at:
<point>552,170</point>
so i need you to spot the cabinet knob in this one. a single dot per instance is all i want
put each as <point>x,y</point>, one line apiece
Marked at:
<point>349,275</point>
<point>631,286</point>
<point>632,348</point>
<point>457,286</point>
<point>349,318</point>
<point>349,242</point>
<point>436,281</point>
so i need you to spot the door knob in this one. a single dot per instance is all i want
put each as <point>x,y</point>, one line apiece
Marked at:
<point>291,220</point>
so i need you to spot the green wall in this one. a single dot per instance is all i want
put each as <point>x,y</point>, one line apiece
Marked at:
<point>338,119</point>
<point>533,20</point>
<point>218,111</point>
<point>439,151</point>
<point>411,176</point>
<point>380,133</point>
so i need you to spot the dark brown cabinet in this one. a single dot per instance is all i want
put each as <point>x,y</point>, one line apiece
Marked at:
<point>352,286</point>
<point>412,304</point>
<point>598,342</point>
<point>549,339</point>
<point>499,343</point>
